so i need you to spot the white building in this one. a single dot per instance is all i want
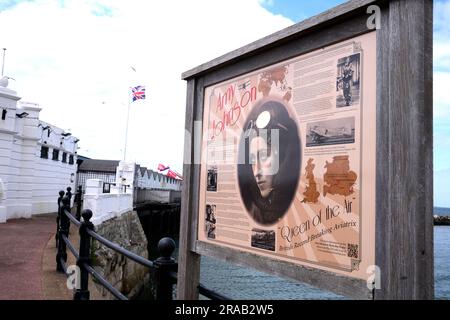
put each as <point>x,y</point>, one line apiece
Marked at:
<point>37,159</point>
<point>132,182</point>
<point>149,179</point>
<point>106,170</point>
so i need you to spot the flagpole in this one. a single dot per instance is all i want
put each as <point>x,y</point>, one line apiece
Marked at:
<point>128,118</point>
<point>3,64</point>
<point>126,130</point>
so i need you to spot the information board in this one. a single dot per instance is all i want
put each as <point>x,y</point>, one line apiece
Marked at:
<point>289,156</point>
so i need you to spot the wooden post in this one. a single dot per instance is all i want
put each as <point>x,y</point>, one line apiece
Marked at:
<point>404,230</point>
<point>188,261</point>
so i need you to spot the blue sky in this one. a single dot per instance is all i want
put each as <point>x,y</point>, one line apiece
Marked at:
<point>299,10</point>
<point>79,53</point>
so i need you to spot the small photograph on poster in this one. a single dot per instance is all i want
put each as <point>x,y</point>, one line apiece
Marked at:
<point>329,132</point>
<point>348,81</point>
<point>263,239</point>
<point>268,178</point>
<point>210,221</point>
<point>212,179</point>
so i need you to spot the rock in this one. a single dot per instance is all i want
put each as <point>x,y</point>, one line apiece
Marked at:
<point>125,274</point>
<point>441,221</point>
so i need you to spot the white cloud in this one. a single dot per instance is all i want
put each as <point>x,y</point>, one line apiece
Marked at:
<point>69,58</point>
<point>441,53</point>
<point>267,2</point>
<point>441,95</point>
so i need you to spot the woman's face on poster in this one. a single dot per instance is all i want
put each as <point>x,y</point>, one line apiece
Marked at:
<point>262,160</point>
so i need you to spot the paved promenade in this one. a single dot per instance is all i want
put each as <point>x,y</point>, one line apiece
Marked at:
<point>28,261</point>
<point>22,243</point>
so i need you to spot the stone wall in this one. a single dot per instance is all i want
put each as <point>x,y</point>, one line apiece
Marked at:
<point>126,275</point>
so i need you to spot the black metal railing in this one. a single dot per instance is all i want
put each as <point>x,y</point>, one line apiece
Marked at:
<point>78,201</point>
<point>164,267</point>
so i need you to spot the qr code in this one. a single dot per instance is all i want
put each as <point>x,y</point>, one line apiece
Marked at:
<point>355,264</point>
<point>352,250</point>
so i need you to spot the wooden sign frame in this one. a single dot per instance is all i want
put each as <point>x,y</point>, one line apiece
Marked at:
<point>404,147</point>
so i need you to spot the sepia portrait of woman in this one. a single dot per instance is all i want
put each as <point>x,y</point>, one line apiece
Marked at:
<point>269,162</point>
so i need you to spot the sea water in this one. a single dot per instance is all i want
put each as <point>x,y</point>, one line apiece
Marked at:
<point>442,262</point>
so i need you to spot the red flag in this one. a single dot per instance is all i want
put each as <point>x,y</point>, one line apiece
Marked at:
<point>179,175</point>
<point>171,174</point>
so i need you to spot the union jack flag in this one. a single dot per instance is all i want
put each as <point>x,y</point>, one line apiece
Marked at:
<point>138,93</point>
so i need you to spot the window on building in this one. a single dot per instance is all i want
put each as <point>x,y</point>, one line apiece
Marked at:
<point>55,154</point>
<point>64,157</point>
<point>71,159</point>
<point>44,152</point>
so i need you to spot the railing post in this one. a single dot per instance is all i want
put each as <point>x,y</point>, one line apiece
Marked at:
<point>82,293</point>
<point>163,266</point>
<point>78,197</point>
<point>69,194</point>
<point>58,216</point>
<point>64,225</point>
